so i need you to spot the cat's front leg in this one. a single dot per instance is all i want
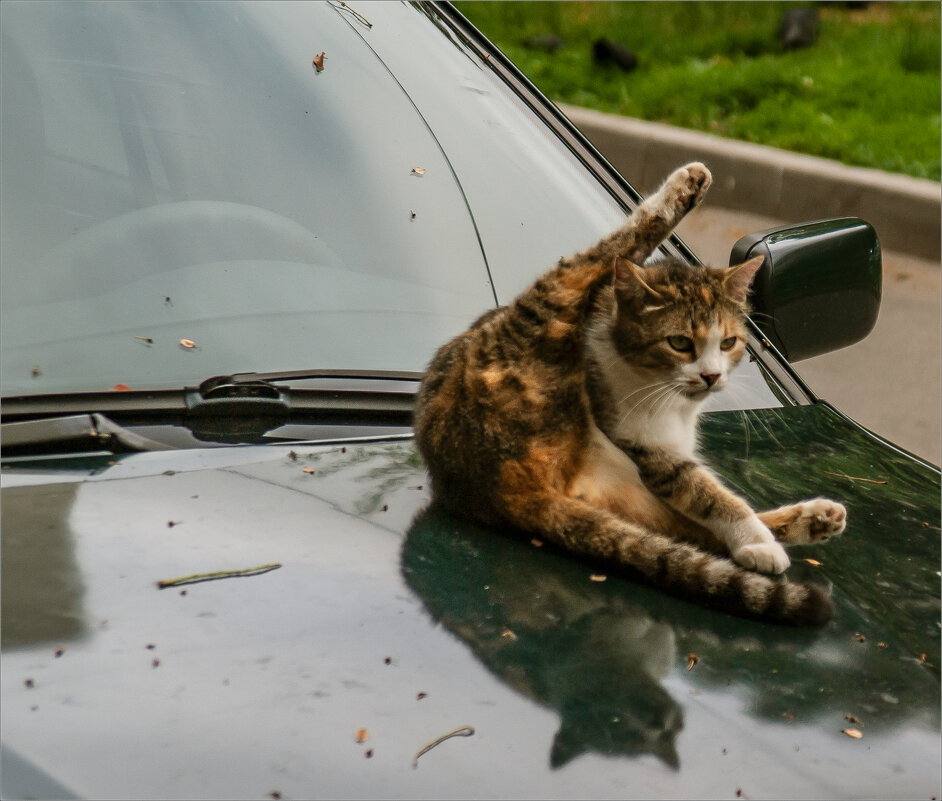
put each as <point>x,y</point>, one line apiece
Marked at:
<point>691,489</point>
<point>807,522</point>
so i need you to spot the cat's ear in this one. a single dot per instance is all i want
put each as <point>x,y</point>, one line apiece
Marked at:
<point>738,279</point>
<point>630,283</point>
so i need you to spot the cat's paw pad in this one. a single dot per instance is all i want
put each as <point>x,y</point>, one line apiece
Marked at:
<point>817,520</point>
<point>690,184</point>
<point>763,557</point>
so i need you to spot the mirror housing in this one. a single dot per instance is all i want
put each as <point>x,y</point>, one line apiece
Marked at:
<point>820,285</point>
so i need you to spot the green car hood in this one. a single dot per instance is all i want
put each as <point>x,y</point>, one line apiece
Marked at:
<point>389,624</point>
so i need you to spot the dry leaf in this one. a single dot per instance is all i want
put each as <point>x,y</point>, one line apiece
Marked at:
<point>882,645</point>
<point>597,577</point>
<point>922,657</point>
<point>307,469</point>
<point>121,388</point>
<point>692,659</point>
<point>420,171</point>
<point>508,634</point>
<point>814,562</point>
<point>536,543</point>
<point>362,735</point>
<point>860,637</point>
<point>855,733</point>
<point>318,61</point>
<point>187,343</point>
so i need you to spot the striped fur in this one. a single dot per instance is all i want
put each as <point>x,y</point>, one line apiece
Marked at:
<point>572,413</point>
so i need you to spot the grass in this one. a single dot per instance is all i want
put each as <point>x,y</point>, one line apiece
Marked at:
<point>867,93</point>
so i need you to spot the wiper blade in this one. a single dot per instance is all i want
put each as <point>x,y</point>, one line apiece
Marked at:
<point>74,429</point>
<point>238,408</point>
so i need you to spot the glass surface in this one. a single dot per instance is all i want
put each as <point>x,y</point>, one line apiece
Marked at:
<point>186,195</point>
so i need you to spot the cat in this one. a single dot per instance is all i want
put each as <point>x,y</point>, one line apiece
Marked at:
<point>571,414</point>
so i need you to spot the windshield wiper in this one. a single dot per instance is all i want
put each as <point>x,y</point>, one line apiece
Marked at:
<point>241,407</point>
<point>79,429</point>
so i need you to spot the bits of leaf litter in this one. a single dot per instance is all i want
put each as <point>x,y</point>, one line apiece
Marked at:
<point>419,171</point>
<point>120,388</point>
<point>853,719</point>
<point>508,635</point>
<point>536,543</point>
<point>318,61</point>
<point>189,344</point>
<point>597,577</point>
<point>814,562</point>
<point>420,695</point>
<point>307,470</point>
<point>856,734</point>
<point>35,372</point>
<point>692,659</point>
<point>362,735</point>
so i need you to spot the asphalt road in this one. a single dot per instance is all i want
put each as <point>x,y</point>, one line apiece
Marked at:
<point>889,382</point>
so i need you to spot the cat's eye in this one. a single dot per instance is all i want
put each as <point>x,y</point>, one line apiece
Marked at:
<point>727,343</point>
<point>680,343</point>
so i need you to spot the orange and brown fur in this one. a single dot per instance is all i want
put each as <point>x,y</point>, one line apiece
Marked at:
<point>572,414</point>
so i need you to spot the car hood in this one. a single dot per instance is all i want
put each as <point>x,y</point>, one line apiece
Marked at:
<point>389,624</point>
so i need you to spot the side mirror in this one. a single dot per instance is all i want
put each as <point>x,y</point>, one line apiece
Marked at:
<point>819,287</point>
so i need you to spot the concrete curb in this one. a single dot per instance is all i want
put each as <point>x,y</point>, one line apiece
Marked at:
<point>906,212</point>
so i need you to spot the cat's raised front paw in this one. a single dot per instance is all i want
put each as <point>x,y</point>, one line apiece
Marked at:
<point>763,557</point>
<point>690,184</point>
<point>807,522</point>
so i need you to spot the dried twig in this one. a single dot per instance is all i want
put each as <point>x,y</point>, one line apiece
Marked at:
<point>461,731</point>
<point>854,478</point>
<point>219,574</point>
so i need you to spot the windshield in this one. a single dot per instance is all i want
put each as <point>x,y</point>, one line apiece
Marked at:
<point>188,190</point>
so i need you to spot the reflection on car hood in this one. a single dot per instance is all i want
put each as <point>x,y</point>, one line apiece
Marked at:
<point>389,617</point>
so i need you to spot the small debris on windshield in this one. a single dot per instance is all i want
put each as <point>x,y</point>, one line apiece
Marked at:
<point>922,657</point>
<point>189,344</point>
<point>882,645</point>
<point>274,794</point>
<point>854,733</point>
<point>150,646</point>
<point>368,753</point>
<point>420,171</point>
<point>420,695</point>
<point>462,731</point>
<point>597,577</point>
<point>362,735</point>
<point>385,507</point>
<point>308,470</point>
<point>120,388</point>
<point>692,659</point>
<point>853,719</point>
<point>387,660</point>
<point>168,301</point>
<point>145,340</point>
<point>59,652</point>
<point>29,684</point>
<point>788,716</point>
<point>814,562</point>
<point>508,634</point>
<point>536,543</point>
<point>35,372</point>
<point>318,61</point>
<point>155,663</point>
<point>860,637</point>
<point>292,456</point>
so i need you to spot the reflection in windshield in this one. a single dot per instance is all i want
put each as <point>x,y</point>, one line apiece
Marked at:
<point>538,622</point>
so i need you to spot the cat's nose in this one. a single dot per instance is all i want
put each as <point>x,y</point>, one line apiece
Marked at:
<point>710,378</point>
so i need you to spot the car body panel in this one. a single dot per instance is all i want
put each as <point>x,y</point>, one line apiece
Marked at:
<point>391,617</point>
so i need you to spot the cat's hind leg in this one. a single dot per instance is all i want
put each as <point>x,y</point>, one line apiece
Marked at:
<point>807,522</point>
<point>654,220</point>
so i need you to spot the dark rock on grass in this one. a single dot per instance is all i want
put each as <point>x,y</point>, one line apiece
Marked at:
<point>606,53</point>
<point>800,27</point>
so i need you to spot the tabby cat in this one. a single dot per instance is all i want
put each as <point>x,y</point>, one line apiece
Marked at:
<point>571,415</point>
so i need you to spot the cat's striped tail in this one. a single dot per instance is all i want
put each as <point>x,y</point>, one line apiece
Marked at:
<point>674,566</point>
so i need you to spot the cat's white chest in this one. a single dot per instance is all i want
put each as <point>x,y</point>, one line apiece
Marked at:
<point>674,428</point>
